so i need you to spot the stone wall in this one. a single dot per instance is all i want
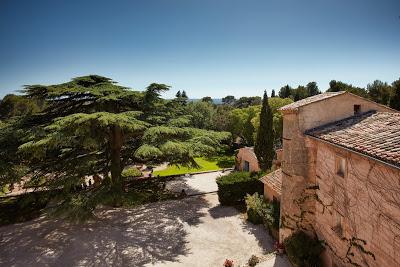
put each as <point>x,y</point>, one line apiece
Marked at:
<point>334,109</point>
<point>367,204</point>
<point>300,156</point>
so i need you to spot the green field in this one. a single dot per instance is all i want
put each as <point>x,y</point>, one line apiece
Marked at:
<point>205,164</point>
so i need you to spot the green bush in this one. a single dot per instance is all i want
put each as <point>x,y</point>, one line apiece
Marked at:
<point>232,188</point>
<point>131,172</point>
<point>272,215</point>
<point>303,250</point>
<point>255,206</point>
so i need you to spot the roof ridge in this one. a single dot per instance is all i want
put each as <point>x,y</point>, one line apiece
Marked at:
<point>310,100</point>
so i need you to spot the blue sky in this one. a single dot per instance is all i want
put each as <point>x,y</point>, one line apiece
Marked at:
<point>208,47</point>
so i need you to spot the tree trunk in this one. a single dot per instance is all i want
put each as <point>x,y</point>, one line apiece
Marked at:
<point>116,139</point>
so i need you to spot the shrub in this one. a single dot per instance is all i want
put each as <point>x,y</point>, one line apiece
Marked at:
<point>255,206</point>
<point>272,215</point>
<point>303,250</point>
<point>232,188</point>
<point>131,172</point>
<point>253,261</point>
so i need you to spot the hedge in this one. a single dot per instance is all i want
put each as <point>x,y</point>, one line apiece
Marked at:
<point>232,188</point>
<point>131,172</point>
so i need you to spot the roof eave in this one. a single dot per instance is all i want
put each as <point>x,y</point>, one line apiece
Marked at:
<point>353,151</point>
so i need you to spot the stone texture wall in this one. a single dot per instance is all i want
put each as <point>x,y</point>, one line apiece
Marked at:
<point>300,156</point>
<point>334,109</point>
<point>368,201</point>
<point>246,154</point>
<point>296,162</point>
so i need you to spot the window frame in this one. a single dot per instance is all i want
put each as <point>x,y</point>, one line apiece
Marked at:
<point>357,109</point>
<point>338,172</point>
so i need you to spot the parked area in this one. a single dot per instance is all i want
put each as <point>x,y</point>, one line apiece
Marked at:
<point>194,231</point>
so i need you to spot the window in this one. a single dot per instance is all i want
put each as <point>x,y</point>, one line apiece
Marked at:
<point>246,166</point>
<point>338,226</point>
<point>341,166</point>
<point>357,109</point>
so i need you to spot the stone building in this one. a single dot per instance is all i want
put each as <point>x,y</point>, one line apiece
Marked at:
<point>341,177</point>
<point>246,160</point>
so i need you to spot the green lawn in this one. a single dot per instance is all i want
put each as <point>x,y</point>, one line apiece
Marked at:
<point>205,164</point>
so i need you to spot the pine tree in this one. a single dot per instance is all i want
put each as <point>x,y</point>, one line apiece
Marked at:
<point>184,95</point>
<point>264,149</point>
<point>395,98</point>
<point>312,89</point>
<point>285,91</point>
<point>273,93</point>
<point>178,94</point>
<point>92,126</point>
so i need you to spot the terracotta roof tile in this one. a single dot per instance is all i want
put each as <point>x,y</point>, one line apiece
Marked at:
<point>376,134</point>
<point>310,100</point>
<point>273,180</point>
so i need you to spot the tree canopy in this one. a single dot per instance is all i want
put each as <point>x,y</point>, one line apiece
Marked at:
<point>93,126</point>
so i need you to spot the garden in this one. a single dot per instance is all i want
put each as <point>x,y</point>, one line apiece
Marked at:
<point>203,164</point>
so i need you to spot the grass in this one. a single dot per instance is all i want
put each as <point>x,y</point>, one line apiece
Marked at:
<point>205,164</point>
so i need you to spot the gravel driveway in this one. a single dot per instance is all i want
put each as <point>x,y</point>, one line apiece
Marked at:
<point>194,231</point>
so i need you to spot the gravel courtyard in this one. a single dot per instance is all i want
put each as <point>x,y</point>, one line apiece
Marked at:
<point>195,231</point>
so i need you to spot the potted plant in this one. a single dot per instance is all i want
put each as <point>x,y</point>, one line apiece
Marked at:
<point>228,263</point>
<point>279,248</point>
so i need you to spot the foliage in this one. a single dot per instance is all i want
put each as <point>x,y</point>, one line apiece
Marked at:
<point>248,128</point>
<point>299,93</point>
<point>379,92</point>
<point>221,119</point>
<point>303,250</point>
<point>92,126</point>
<point>245,102</point>
<point>263,148</point>
<point>336,86</point>
<point>312,89</point>
<point>229,100</point>
<point>131,172</point>
<point>207,99</point>
<point>255,206</point>
<point>395,99</point>
<point>259,210</point>
<point>201,113</point>
<point>203,164</point>
<point>232,188</point>
<point>15,105</point>
<point>285,91</point>
<point>253,261</point>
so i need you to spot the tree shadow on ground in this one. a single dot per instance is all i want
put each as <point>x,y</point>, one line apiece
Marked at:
<point>221,212</point>
<point>120,237</point>
<point>265,240</point>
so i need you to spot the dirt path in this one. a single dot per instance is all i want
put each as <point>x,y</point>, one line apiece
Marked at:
<point>195,231</point>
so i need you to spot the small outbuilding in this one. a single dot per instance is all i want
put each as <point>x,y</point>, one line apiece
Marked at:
<point>246,160</point>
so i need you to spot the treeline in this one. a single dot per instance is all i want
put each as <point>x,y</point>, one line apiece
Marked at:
<point>377,91</point>
<point>240,117</point>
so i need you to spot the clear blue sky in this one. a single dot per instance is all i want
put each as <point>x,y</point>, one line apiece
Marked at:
<point>206,47</point>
